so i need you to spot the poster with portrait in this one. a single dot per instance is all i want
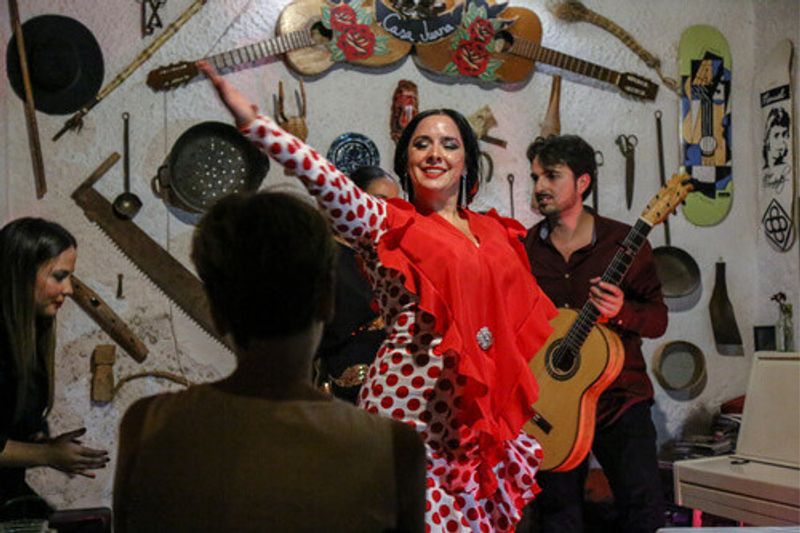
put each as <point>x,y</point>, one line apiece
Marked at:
<point>777,175</point>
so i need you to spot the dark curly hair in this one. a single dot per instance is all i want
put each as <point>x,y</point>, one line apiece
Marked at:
<point>470,141</point>
<point>266,261</point>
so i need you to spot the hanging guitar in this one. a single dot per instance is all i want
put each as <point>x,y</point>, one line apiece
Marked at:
<point>582,358</point>
<point>506,49</point>
<point>313,34</point>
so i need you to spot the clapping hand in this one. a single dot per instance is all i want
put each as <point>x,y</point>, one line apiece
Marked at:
<point>68,454</point>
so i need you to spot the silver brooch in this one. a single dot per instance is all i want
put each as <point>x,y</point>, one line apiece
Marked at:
<point>484,338</point>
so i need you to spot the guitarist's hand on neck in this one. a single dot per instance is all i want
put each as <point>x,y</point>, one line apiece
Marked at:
<point>607,298</point>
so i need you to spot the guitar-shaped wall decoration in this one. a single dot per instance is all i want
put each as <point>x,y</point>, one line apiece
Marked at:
<point>582,358</point>
<point>508,54</point>
<point>314,36</point>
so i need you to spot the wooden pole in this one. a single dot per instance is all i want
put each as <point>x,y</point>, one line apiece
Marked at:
<point>30,110</point>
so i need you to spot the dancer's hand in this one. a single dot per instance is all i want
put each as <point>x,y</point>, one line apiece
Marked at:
<point>242,109</point>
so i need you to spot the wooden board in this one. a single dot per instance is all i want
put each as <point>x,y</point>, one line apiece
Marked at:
<point>777,179</point>
<point>705,123</point>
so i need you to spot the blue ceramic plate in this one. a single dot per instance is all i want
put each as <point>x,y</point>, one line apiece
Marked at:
<point>350,151</point>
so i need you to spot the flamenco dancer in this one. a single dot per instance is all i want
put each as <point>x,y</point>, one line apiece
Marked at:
<point>463,312</point>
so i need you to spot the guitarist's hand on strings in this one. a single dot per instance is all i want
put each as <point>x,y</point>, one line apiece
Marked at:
<point>607,298</point>
<point>242,109</point>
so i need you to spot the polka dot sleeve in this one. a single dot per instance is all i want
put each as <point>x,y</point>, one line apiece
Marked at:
<point>354,215</point>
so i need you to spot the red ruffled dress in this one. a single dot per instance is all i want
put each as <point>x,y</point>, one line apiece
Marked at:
<point>462,323</point>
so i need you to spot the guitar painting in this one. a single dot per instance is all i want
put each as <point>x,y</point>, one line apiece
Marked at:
<point>582,358</point>
<point>314,35</point>
<point>505,49</point>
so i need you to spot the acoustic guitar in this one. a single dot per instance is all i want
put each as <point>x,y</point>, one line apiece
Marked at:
<point>515,49</point>
<point>313,39</point>
<point>582,358</point>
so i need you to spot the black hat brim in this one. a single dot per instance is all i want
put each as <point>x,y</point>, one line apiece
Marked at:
<point>64,61</point>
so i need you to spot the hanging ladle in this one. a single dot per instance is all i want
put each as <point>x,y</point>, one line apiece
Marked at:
<point>127,204</point>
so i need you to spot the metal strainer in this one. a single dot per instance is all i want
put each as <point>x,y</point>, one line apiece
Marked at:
<point>207,162</point>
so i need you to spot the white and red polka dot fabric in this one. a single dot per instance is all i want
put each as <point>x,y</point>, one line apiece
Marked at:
<point>408,381</point>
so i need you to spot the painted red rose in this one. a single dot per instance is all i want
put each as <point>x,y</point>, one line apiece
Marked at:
<point>342,17</point>
<point>471,58</point>
<point>481,30</point>
<point>357,42</point>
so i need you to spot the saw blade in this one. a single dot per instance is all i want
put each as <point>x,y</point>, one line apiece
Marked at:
<point>166,272</point>
<point>106,318</point>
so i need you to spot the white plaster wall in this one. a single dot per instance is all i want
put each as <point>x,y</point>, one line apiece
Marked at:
<point>343,100</point>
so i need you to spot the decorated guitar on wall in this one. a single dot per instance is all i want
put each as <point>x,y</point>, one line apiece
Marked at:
<point>582,358</point>
<point>505,49</point>
<point>314,36</point>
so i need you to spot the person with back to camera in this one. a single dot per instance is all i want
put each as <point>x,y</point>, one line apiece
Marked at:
<point>569,251</point>
<point>463,312</point>
<point>263,449</point>
<point>37,258</point>
<point>356,332</point>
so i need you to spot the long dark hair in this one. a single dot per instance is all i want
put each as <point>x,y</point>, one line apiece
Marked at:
<point>472,154</point>
<point>27,342</point>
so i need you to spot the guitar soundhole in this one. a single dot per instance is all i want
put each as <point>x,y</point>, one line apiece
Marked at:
<point>561,361</point>
<point>320,33</point>
<point>502,42</point>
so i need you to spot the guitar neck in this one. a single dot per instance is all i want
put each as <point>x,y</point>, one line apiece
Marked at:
<point>614,274</point>
<point>260,50</point>
<point>536,52</point>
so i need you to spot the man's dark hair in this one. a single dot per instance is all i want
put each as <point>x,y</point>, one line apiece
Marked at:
<point>266,261</point>
<point>569,150</point>
<point>364,175</point>
<point>471,152</point>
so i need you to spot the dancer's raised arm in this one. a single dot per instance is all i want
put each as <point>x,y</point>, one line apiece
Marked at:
<point>356,216</point>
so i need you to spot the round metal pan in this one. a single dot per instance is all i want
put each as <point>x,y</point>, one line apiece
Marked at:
<point>208,161</point>
<point>680,368</point>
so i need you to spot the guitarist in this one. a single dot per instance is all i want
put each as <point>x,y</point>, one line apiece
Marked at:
<point>569,250</point>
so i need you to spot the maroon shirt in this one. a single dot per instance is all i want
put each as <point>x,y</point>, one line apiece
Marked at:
<point>643,314</point>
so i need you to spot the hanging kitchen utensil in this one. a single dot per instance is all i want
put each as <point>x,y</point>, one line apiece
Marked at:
<point>127,204</point>
<point>207,162</point>
<point>680,368</point>
<point>150,17</point>
<point>599,161</point>
<point>627,145</point>
<point>678,271</point>
<point>723,320</point>
<point>510,179</point>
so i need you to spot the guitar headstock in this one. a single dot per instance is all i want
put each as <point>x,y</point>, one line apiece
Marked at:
<point>172,76</point>
<point>637,86</point>
<point>668,199</point>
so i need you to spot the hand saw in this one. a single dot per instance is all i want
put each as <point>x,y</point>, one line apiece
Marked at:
<point>106,318</point>
<point>166,272</point>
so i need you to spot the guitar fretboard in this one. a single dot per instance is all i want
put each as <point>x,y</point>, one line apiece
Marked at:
<point>536,52</point>
<point>268,48</point>
<point>619,266</point>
